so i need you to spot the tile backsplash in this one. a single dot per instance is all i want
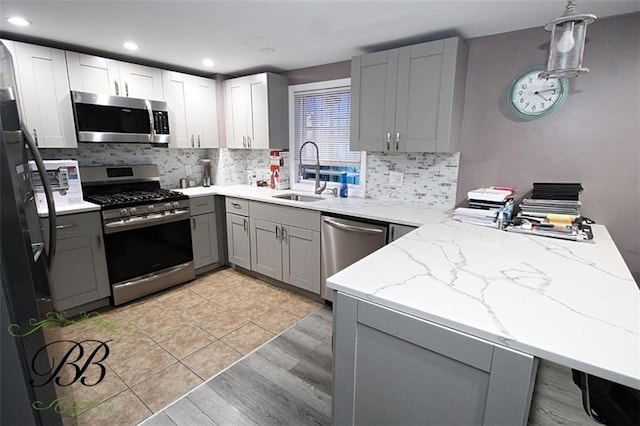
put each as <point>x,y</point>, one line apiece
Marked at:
<point>171,162</point>
<point>428,178</point>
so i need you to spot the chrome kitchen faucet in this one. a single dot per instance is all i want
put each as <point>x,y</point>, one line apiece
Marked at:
<point>318,189</point>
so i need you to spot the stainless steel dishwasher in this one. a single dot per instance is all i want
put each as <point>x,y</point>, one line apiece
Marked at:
<point>343,243</point>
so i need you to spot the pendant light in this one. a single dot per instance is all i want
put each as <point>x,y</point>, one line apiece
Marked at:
<point>568,34</point>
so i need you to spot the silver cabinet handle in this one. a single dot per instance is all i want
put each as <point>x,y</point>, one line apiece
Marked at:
<point>236,205</point>
<point>126,89</point>
<point>397,141</point>
<point>193,144</point>
<point>248,142</point>
<point>116,87</point>
<point>246,225</point>
<point>193,223</point>
<point>99,241</point>
<point>244,141</point>
<point>352,228</point>
<point>67,226</point>
<point>388,141</point>
<point>199,145</point>
<point>35,136</point>
<point>277,232</point>
<point>284,234</point>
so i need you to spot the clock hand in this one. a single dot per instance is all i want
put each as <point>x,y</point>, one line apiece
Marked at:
<point>537,92</point>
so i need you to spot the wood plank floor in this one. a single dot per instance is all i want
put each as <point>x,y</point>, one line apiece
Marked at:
<point>288,382</point>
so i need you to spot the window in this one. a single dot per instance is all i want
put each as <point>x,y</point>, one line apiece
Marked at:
<point>320,112</point>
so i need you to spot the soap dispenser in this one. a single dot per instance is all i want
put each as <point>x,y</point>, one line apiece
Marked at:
<point>344,188</point>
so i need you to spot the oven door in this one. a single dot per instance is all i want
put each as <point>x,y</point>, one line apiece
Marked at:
<point>144,259</point>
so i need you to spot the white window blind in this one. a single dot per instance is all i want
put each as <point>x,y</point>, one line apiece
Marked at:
<point>323,116</point>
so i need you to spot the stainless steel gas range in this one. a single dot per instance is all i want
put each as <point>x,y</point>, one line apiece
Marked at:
<point>146,229</point>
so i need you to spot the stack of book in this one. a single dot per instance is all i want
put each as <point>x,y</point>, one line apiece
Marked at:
<point>487,206</point>
<point>552,203</point>
<point>553,210</point>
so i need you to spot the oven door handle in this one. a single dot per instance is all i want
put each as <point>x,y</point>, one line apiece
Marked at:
<point>145,221</point>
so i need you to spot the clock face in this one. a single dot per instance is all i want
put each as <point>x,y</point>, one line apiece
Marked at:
<point>533,97</point>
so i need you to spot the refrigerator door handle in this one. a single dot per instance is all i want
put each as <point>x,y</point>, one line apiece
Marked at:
<point>46,185</point>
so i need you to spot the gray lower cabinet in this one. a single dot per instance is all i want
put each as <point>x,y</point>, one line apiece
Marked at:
<point>238,242</point>
<point>79,274</point>
<point>285,244</point>
<point>204,231</point>
<point>409,99</point>
<point>393,368</point>
<point>396,231</point>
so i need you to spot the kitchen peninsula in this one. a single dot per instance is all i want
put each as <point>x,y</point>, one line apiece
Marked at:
<point>451,319</point>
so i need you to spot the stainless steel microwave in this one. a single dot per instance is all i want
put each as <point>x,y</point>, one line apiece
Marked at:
<point>106,118</point>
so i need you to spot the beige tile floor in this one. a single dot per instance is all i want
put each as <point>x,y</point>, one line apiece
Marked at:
<point>167,344</point>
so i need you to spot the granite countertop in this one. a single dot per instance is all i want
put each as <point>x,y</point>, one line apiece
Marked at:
<point>574,303</point>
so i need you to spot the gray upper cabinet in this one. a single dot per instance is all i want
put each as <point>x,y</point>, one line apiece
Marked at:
<point>409,99</point>
<point>285,244</point>
<point>79,273</point>
<point>256,111</point>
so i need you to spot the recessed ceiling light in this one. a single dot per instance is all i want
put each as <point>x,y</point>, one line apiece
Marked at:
<point>130,45</point>
<point>207,62</point>
<point>18,21</point>
<point>267,50</point>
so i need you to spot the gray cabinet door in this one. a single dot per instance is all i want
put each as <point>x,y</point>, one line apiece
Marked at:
<point>204,238</point>
<point>79,274</point>
<point>418,102</point>
<point>373,100</point>
<point>396,231</point>
<point>266,248</point>
<point>392,368</point>
<point>301,258</point>
<point>238,244</point>
<point>431,83</point>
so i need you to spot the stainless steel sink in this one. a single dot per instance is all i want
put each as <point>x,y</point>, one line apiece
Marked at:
<point>298,197</point>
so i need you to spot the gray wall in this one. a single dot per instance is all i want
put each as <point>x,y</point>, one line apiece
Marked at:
<point>594,138</point>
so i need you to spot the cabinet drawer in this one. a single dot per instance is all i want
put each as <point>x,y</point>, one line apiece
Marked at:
<point>301,218</point>
<point>73,225</point>
<point>237,206</point>
<point>201,205</point>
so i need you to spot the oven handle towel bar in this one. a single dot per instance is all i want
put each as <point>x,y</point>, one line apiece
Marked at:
<point>137,222</point>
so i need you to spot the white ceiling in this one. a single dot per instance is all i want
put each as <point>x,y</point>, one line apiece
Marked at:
<point>303,33</point>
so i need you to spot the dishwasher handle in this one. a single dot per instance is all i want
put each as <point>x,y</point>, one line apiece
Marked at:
<point>352,228</point>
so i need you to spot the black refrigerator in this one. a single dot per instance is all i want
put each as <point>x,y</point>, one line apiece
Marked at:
<point>25,397</point>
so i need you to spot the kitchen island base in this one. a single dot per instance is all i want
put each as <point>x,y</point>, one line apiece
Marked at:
<point>393,368</point>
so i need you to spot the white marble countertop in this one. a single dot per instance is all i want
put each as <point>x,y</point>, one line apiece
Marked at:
<point>574,303</point>
<point>394,211</point>
<point>85,206</point>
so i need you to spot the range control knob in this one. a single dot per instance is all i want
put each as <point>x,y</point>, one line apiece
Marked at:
<point>133,210</point>
<point>167,206</point>
<point>176,204</point>
<point>123,212</point>
<point>151,207</point>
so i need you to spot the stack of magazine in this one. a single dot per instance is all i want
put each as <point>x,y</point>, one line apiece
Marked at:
<point>553,211</point>
<point>487,206</point>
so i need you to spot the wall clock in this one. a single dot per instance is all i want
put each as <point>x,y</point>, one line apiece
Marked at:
<point>532,97</point>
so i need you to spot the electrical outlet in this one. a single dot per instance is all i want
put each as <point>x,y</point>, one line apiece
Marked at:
<point>187,169</point>
<point>396,178</point>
